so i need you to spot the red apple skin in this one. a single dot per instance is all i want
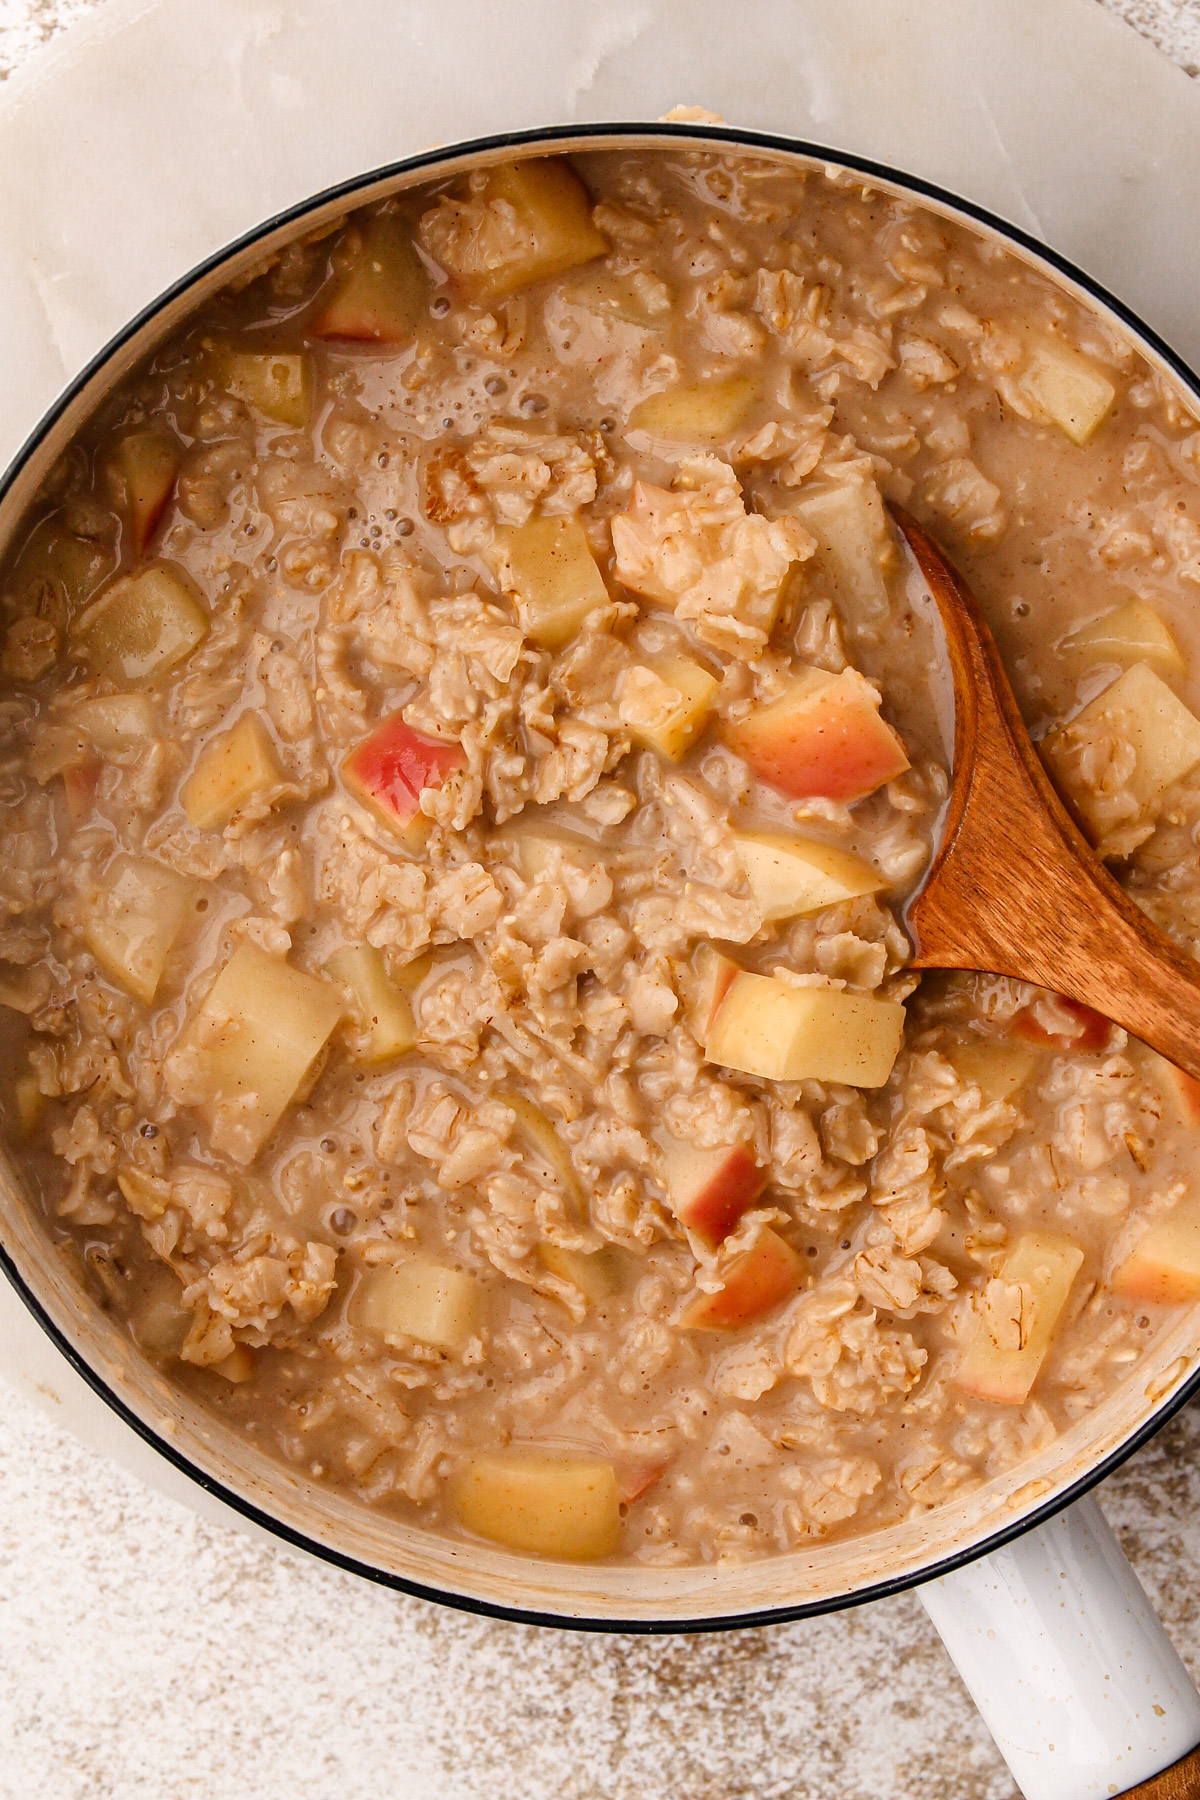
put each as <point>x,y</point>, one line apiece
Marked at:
<point>831,745</point>
<point>762,1278</point>
<point>1087,1033</point>
<point>636,1478</point>
<point>1187,1091</point>
<point>80,785</point>
<point>148,503</point>
<point>718,973</point>
<point>709,1197</point>
<point>389,770</point>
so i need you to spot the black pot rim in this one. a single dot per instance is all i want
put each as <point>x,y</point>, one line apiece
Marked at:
<point>594,136</point>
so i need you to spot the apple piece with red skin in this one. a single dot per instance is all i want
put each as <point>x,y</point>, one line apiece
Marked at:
<point>637,1476</point>
<point>81,783</point>
<point>715,975</point>
<point>1083,1029</point>
<point>382,297</point>
<point>756,1282</point>
<point>709,1190</point>
<point>1163,1268</point>
<point>140,472</point>
<point>823,738</point>
<point>390,770</point>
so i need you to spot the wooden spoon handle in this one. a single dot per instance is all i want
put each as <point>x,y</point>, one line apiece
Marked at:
<point>1015,888</point>
<point>1180,1782</point>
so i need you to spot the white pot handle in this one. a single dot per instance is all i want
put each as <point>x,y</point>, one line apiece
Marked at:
<point>1067,1661</point>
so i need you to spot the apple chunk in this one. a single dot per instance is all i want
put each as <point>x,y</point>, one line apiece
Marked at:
<point>540,1140</point>
<point>1183,1091</point>
<point>822,738</point>
<point>1163,1268</point>
<point>998,1066</point>
<point>756,1282</point>
<point>552,1504</point>
<point>714,976</point>
<point>1129,633</point>
<point>709,1190</point>
<point>1021,1308</point>
<point>380,1011</point>
<point>139,914</point>
<point>248,1051</point>
<point>547,568</point>
<point>792,876</point>
<point>233,771</point>
<point>1067,1024</point>
<point>767,1027</point>
<point>276,384</point>
<point>1139,717</point>
<point>665,702</point>
<point>390,770</point>
<point>140,626</point>
<point>596,1273</point>
<point>418,1300</point>
<point>139,472</point>
<point>383,296</point>
<point>697,412</point>
<point>854,545</point>
<point>1066,389</point>
<point>536,223</point>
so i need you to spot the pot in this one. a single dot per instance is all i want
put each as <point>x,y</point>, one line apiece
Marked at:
<point>1052,1633</point>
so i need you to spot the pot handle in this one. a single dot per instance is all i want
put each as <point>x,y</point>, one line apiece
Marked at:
<point>1069,1664</point>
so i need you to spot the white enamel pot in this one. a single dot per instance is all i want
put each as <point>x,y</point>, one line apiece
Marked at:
<point>1026,1583</point>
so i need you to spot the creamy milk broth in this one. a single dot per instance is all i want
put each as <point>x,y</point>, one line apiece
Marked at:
<point>347,567</point>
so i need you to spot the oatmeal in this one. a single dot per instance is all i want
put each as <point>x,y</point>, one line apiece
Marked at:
<point>470,738</point>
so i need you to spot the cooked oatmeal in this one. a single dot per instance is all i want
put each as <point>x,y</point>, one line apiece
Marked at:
<point>470,736</point>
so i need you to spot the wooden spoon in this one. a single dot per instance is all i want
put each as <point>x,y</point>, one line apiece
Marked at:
<point>1015,888</point>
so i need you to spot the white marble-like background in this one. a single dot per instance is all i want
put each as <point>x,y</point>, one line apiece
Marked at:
<point>146,1654</point>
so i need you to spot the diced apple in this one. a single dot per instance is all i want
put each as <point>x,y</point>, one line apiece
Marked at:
<point>596,1273</point>
<point>854,545</point>
<point>547,568</point>
<point>709,1190</point>
<point>540,847</point>
<point>72,567</point>
<point>381,1012</point>
<point>715,974</point>
<point>390,770</point>
<point>756,1282</point>
<point>237,1367</point>
<point>140,626</point>
<point>81,784</point>
<point>665,701</point>
<point>275,383</point>
<point>697,412</point>
<point>1163,1268</point>
<point>235,770</point>
<point>115,722</point>
<point>419,1300</point>
<point>383,297</point>
<point>554,1505</point>
<point>1138,712</point>
<point>792,876</point>
<point>30,1103</point>
<point>1183,1091</point>
<point>998,1066</point>
<point>767,1027</point>
<point>637,1475</point>
<point>822,738</point>
<point>1066,389</point>
<point>1004,1357</point>
<point>1067,1024</point>
<point>140,470</point>
<point>542,1141</point>
<point>552,214</point>
<point>249,1049</point>
<point>1129,633</point>
<point>138,916</point>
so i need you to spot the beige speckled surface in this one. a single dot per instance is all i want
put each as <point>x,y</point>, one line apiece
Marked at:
<point>146,1654</point>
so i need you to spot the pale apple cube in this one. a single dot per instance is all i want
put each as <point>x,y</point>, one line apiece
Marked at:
<point>665,702</point>
<point>999,1067</point>
<point>540,1139</point>
<point>1021,1308</point>
<point>1066,389</point>
<point>248,1051</point>
<point>275,384</point>
<point>1117,759</point>
<point>378,1008</point>
<point>542,228</point>
<point>139,913</point>
<point>540,847</point>
<point>1129,633</point>
<point>551,1504</point>
<point>139,470</point>
<point>116,722</point>
<point>793,876</point>
<point>767,1027</point>
<point>233,771</point>
<point>714,974</point>
<point>1163,1268</point>
<point>418,1300</point>
<point>854,545</point>
<point>547,568</point>
<point>596,1273</point>
<point>141,626</point>
<point>697,412</point>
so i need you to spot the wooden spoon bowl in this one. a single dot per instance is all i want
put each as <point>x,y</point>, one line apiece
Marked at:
<point>1015,888</point>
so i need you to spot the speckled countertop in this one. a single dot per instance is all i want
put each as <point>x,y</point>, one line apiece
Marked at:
<point>147,1654</point>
